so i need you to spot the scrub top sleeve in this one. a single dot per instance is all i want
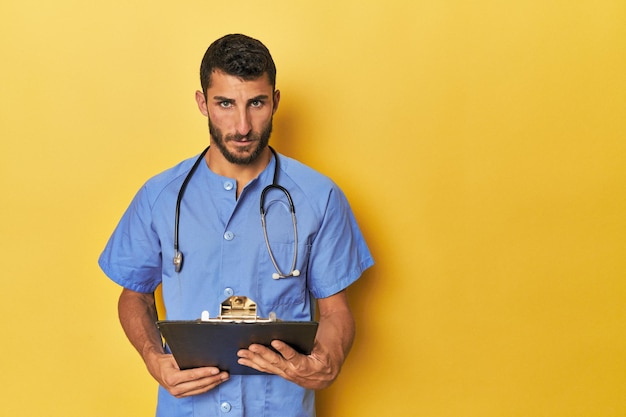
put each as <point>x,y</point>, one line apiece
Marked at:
<point>132,256</point>
<point>339,254</point>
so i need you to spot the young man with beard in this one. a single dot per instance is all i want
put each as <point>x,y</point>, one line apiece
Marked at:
<point>225,252</point>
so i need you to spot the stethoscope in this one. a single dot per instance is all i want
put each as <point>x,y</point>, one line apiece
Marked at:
<point>178,255</point>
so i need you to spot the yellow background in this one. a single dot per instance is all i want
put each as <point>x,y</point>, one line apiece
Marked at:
<point>481,144</point>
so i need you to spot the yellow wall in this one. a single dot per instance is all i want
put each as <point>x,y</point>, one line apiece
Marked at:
<point>482,145</point>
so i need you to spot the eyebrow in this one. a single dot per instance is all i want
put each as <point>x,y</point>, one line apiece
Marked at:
<point>231,100</point>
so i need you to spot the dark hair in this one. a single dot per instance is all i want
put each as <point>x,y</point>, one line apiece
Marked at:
<point>237,55</point>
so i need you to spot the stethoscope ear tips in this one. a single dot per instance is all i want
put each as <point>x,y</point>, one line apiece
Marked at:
<point>178,261</point>
<point>295,273</point>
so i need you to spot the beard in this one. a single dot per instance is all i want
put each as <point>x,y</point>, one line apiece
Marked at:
<point>248,154</point>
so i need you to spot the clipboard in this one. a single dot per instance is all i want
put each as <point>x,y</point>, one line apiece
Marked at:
<point>215,342</point>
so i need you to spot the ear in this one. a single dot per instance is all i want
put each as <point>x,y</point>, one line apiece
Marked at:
<point>276,100</point>
<point>202,105</point>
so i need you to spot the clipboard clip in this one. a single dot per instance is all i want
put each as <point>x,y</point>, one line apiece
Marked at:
<point>238,309</point>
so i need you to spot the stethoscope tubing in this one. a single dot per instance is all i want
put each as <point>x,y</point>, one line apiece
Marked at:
<point>279,274</point>
<point>178,255</point>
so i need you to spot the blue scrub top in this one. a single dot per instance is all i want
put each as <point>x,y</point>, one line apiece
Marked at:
<point>225,254</point>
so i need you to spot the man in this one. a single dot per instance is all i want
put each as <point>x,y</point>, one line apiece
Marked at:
<point>225,252</point>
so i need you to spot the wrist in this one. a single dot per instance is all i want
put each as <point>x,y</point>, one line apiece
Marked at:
<point>152,351</point>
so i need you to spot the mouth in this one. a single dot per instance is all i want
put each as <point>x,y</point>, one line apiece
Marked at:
<point>240,139</point>
<point>241,145</point>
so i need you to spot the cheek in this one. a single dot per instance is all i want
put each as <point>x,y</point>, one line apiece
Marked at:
<point>220,121</point>
<point>261,120</point>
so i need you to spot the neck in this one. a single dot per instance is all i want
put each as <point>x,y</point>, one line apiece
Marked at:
<point>243,174</point>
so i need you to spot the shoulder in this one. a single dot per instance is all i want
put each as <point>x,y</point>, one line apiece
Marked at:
<point>304,176</point>
<point>312,188</point>
<point>170,179</point>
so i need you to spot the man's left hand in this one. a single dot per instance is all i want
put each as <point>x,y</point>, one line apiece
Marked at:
<point>319,369</point>
<point>314,371</point>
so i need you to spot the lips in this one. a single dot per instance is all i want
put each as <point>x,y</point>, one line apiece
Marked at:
<point>238,138</point>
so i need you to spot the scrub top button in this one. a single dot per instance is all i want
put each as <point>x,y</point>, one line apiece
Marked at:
<point>229,292</point>
<point>225,407</point>
<point>229,235</point>
<point>228,185</point>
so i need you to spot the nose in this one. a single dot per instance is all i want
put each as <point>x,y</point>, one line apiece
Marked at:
<point>243,123</point>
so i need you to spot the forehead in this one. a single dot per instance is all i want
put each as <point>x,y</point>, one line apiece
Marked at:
<point>228,85</point>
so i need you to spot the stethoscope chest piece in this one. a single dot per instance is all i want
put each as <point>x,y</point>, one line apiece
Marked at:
<point>178,261</point>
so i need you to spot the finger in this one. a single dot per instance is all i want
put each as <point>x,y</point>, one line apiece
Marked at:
<point>198,385</point>
<point>262,359</point>
<point>175,377</point>
<point>285,350</point>
<point>259,351</point>
<point>199,373</point>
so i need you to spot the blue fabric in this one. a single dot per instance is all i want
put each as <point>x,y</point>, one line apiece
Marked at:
<point>224,251</point>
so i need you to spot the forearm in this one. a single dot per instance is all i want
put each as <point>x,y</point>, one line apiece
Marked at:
<point>336,330</point>
<point>137,314</point>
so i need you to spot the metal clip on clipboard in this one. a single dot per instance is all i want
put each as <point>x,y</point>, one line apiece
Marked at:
<point>238,309</point>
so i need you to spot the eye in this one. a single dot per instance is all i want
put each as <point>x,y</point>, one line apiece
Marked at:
<point>256,103</point>
<point>225,104</point>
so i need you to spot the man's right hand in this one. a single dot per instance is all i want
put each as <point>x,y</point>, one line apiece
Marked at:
<point>138,314</point>
<point>179,383</point>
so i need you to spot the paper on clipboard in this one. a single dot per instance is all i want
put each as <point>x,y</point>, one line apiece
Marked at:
<point>215,342</point>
